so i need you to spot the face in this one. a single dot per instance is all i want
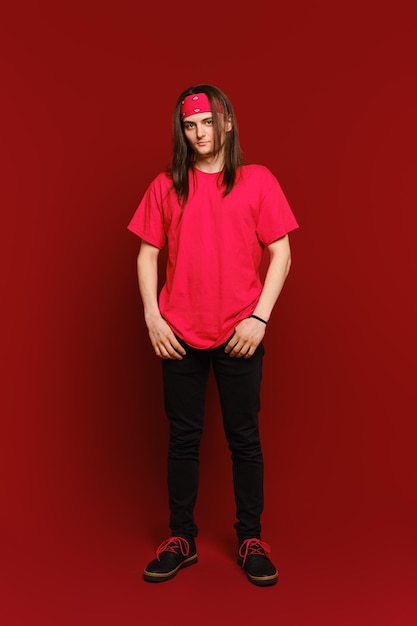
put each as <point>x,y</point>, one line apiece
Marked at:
<point>199,132</point>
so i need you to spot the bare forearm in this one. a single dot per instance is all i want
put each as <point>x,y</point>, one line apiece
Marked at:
<point>162,338</point>
<point>277,272</point>
<point>250,331</point>
<point>147,266</point>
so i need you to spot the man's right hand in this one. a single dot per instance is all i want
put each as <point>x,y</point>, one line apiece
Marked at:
<point>163,340</point>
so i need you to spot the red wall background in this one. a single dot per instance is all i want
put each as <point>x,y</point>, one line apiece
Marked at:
<point>325,95</point>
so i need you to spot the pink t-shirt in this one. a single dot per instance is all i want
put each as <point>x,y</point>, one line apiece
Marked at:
<point>215,247</point>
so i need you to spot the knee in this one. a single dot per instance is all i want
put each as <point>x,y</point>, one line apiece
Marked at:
<point>245,446</point>
<point>184,447</point>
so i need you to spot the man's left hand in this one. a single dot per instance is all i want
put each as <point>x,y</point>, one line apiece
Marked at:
<point>247,337</point>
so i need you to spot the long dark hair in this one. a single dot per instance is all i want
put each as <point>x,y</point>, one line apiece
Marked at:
<point>183,155</point>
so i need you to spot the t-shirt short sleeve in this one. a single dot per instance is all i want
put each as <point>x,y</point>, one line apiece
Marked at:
<point>147,221</point>
<point>276,218</point>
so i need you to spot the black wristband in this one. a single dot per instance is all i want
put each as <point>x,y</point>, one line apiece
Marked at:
<point>258,318</point>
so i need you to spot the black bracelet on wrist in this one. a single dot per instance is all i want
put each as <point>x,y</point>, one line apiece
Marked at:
<point>258,318</point>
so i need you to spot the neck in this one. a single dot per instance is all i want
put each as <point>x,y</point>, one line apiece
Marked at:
<point>210,165</point>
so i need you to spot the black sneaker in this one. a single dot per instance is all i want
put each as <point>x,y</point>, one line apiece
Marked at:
<point>253,557</point>
<point>172,554</point>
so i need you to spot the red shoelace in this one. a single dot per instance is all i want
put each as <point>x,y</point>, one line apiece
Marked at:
<point>253,546</point>
<point>172,544</point>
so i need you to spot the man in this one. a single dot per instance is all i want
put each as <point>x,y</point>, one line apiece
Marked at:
<point>216,215</point>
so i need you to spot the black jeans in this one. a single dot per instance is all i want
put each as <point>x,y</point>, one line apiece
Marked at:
<point>238,382</point>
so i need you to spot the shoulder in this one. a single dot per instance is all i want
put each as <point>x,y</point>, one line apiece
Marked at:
<point>257,174</point>
<point>160,187</point>
<point>162,180</point>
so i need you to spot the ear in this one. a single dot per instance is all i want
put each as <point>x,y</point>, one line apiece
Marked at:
<point>229,124</point>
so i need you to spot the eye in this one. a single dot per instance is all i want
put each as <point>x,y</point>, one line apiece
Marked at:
<point>189,125</point>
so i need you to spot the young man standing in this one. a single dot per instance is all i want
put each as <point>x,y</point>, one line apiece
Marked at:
<point>216,215</point>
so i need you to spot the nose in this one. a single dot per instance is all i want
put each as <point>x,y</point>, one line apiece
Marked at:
<point>201,131</point>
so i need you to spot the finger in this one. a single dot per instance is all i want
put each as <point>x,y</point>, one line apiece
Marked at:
<point>237,350</point>
<point>172,353</point>
<point>167,348</point>
<point>233,351</point>
<point>177,346</point>
<point>231,346</point>
<point>162,352</point>
<point>176,355</point>
<point>242,353</point>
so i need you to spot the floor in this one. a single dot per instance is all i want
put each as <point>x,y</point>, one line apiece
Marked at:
<point>366,580</point>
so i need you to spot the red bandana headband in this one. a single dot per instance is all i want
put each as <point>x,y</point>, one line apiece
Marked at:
<point>196,103</point>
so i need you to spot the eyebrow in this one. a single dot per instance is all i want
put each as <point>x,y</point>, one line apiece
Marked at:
<point>203,120</point>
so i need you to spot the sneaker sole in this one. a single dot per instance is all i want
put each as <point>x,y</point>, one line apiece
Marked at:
<point>261,581</point>
<point>160,578</point>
